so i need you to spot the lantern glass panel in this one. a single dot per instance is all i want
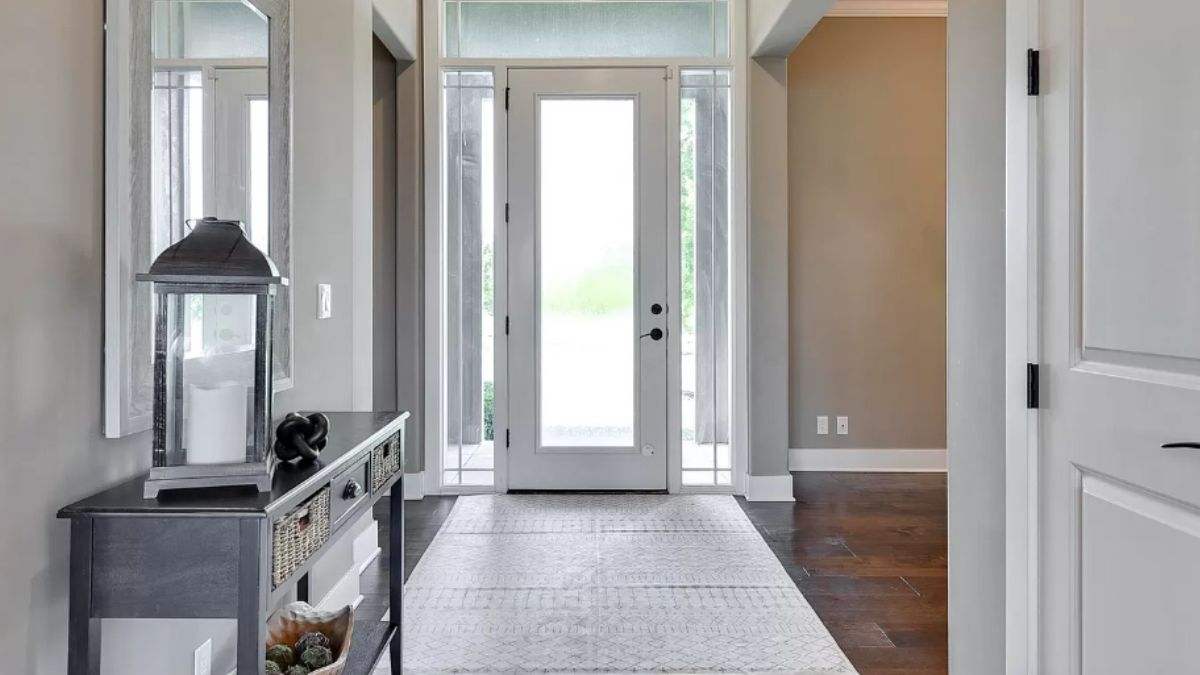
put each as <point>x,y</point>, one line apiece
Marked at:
<point>210,378</point>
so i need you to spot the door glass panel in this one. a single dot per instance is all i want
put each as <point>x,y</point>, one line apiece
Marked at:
<point>586,272</point>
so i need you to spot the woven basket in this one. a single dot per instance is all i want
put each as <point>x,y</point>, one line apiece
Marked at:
<point>385,462</point>
<point>298,618</point>
<point>298,535</point>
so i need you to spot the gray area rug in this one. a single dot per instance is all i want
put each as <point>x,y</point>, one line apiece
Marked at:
<point>608,583</point>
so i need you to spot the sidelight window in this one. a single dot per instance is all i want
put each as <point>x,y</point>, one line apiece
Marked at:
<point>705,272</point>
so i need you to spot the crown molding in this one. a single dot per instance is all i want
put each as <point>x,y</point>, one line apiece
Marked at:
<point>913,8</point>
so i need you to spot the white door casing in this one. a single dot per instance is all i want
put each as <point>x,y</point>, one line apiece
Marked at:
<point>628,109</point>
<point>1116,546</point>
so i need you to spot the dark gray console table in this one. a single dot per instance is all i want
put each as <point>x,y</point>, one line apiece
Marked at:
<point>194,554</point>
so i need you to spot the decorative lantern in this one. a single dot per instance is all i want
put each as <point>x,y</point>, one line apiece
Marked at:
<point>214,296</point>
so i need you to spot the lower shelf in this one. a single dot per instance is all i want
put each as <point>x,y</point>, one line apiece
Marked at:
<point>368,644</point>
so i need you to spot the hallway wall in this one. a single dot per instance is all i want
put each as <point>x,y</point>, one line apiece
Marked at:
<point>975,299</point>
<point>867,244</point>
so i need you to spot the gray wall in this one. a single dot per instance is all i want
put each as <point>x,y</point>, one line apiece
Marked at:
<point>410,258</point>
<point>383,194</point>
<point>867,216</point>
<point>768,234</point>
<point>975,334</point>
<point>51,205</point>
<point>332,208</point>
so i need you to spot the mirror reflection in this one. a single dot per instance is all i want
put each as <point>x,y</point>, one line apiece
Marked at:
<point>209,143</point>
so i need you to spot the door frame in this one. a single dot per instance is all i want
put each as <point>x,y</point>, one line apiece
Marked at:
<point>1022,299</point>
<point>435,387</point>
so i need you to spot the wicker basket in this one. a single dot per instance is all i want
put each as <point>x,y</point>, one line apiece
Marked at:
<point>298,618</point>
<point>385,462</point>
<point>298,535</point>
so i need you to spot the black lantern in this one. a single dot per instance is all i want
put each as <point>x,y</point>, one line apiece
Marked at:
<point>214,296</point>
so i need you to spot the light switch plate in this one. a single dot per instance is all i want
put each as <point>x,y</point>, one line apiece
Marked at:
<point>203,659</point>
<point>822,425</point>
<point>843,426</point>
<point>324,301</point>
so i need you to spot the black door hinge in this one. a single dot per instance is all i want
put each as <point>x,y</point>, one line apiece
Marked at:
<point>507,437</point>
<point>506,92</point>
<point>506,325</point>
<point>1033,72</point>
<point>1032,387</point>
<point>506,212</point>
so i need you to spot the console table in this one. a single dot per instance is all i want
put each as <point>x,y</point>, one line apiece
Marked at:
<point>193,554</point>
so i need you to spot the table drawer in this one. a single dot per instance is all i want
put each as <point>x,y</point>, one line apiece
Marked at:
<point>386,459</point>
<point>349,489</point>
<point>298,535</point>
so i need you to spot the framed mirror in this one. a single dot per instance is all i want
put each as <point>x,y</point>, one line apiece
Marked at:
<point>197,123</point>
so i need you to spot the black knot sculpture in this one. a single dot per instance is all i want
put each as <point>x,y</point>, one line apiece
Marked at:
<point>301,436</point>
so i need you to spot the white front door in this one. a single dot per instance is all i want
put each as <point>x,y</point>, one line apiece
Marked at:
<point>587,193</point>
<point>1119,513</point>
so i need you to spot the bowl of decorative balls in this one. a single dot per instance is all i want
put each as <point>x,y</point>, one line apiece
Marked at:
<point>302,640</point>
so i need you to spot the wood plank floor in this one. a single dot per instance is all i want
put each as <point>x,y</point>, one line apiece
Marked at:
<point>867,550</point>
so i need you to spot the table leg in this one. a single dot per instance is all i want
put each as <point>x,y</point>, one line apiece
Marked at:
<point>83,630</point>
<point>396,573</point>
<point>253,591</point>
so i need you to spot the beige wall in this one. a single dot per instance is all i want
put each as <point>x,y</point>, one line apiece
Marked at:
<point>867,240</point>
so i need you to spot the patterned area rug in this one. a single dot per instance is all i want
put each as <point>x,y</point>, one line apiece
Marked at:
<point>608,583</point>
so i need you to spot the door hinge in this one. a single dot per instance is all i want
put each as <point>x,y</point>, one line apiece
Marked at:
<point>506,93</point>
<point>1032,387</point>
<point>506,211</point>
<point>1033,72</point>
<point>506,324</point>
<point>507,437</point>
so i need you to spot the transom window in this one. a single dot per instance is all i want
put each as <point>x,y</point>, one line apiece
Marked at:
<point>540,29</point>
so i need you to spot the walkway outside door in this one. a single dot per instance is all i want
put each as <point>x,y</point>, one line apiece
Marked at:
<point>587,192</point>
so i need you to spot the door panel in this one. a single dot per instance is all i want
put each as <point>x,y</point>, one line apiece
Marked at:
<point>587,247</point>
<point>1120,313</point>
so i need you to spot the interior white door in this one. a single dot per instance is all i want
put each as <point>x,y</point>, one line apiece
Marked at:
<point>1119,513</point>
<point>587,279</point>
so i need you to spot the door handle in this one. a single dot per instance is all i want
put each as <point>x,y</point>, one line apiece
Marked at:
<point>1182,444</point>
<point>655,334</point>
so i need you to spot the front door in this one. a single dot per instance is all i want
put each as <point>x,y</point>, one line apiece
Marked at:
<point>1119,507</point>
<point>587,193</point>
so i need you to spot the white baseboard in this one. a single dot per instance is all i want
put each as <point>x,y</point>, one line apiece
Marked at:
<point>414,486</point>
<point>870,460</point>
<point>769,488</point>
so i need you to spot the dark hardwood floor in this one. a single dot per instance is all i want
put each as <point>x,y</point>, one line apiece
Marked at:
<point>867,550</point>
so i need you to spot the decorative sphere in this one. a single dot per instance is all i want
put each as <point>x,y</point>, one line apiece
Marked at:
<point>273,668</point>
<point>316,657</point>
<point>282,656</point>
<point>297,670</point>
<point>311,640</point>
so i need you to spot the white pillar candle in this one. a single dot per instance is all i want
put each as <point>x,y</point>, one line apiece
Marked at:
<point>216,419</point>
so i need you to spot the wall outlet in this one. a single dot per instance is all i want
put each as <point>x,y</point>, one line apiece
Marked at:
<point>202,660</point>
<point>324,301</point>
<point>843,426</point>
<point>822,425</point>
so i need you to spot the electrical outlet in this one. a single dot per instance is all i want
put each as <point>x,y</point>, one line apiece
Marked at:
<point>843,426</point>
<point>203,659</point>
<point>324,301</point>
<point>822,425</point>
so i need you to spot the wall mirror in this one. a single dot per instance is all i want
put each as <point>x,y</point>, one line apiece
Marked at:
<point>198,123</point>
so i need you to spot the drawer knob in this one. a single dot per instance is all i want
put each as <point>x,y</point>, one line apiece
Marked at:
<point>353,490</point>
